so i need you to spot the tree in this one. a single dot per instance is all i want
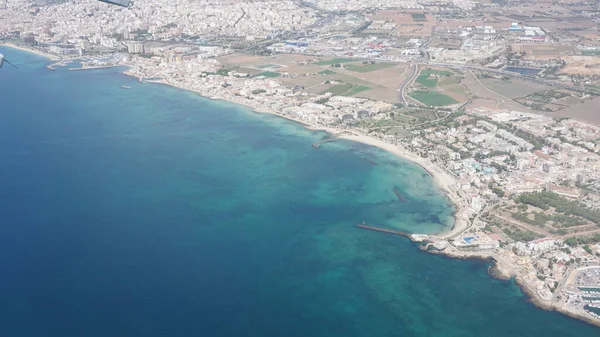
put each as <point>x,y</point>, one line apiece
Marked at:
<point>572,242</point>
<point>498,192</point>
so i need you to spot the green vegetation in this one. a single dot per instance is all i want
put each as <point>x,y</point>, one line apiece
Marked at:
<point>223,71</point>
<point>327,72</point>
<point>545,199</point>
<point>545,96</point>
<point>592,89</point>
<point>540,219</point>
<point>432,98</point>
<point>264,66</point>
<point>588,249</point>
<point>333,61</point>
<point>365,68</point>
<point>520,235</point>
<point>338,89</point>
<point>427,80</point>
<point>418,17</point>
<point>498,192</point>
<point>270,74</point>
<point>355,90</point>
<point>590,52</point>
<point>258,91</point>
<point>572,242</point>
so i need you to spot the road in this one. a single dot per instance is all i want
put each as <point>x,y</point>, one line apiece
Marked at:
<point>411,79</point>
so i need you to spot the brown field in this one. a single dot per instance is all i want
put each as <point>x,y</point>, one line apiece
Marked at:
<point>576,65</point>
<point>586,111</point>
<point>405,23</point>
<point>389,77</point>
<point>489,99</point>
<point>284,60</point>
<point>457,91</point>
<point>304,69</point>
<point>513,88</point>
<point>381,94</point>
<point>543,51</point>
<point>305,81</point>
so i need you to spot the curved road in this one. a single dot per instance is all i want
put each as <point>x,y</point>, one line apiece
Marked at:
<point>411,78</point>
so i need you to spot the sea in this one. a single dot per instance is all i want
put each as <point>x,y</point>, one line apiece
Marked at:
<point>152,211</point>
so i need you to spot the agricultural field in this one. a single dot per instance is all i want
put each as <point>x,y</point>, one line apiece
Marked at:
<point>268,65</point>
<point>365,68</point>
<point>270,74</point>
<point>418,17</point>
<point>333,61</point>
<point>590,52</point>
<point>265,62</point>
<point>441,87</point>
<point>586,111</point>
<point>413,23</point>
<point>432,98</point>
<point>355,90</point>
<point>327,72</point>
<point>547,100</point>
<point>513,88</point>
<point>543,51</point>
<point>430,77</point>
<point>337,89</point>
<point>345,89</point>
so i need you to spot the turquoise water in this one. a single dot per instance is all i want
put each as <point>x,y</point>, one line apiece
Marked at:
<point>151,211</point>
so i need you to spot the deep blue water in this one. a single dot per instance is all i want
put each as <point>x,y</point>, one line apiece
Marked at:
<point>151,211</point>
<point>523,71</point>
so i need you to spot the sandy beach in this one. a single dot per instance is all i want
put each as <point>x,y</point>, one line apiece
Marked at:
<point>502,268</point>
<point>31,50</point>
<point>442,179</point>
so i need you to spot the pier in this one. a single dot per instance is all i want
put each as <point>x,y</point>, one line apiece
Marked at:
<point>331,138</point>
<point>383,230</point>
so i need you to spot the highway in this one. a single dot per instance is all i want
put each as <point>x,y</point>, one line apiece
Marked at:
<point>407,83</point>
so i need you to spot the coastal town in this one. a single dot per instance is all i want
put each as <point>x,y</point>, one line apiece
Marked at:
<point>496,99</point>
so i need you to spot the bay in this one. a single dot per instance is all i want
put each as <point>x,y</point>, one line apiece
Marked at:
<point>152,211</point>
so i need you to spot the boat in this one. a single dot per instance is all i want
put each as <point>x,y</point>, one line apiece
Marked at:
<point>125,87</point>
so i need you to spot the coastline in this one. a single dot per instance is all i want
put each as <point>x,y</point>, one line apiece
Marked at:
<point>500,268</point>
<point>33,51</point>
<point>503,270</point>
<point>441,178</point>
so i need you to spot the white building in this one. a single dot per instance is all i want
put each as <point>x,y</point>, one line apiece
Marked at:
<point>541,245</point>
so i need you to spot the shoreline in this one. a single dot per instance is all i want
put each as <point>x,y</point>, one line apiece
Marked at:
<point>441,178</point>
<point>500,269</point>
<point>31,50</point>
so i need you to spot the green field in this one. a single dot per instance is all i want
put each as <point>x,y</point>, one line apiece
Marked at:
<point>338,89</point>
<point>355,90</point>
<point>333,61</point>
<point>269,74</point>
<point>426,81</point>
<point>327,72</point>
<point>432,98</point>
<point>264,66</point>
<point>365,68</point>
<point>590,52</point>
<point>418,17</point>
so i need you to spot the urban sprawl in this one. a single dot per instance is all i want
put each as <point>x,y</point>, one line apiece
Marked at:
<point>498,99</point>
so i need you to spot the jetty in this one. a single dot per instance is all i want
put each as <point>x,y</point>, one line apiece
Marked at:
<point>331,138</point>
<point>383,230</point>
